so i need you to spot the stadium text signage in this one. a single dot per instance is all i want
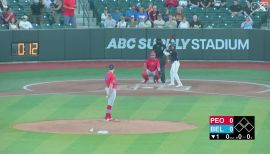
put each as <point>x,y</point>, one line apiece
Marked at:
<point>181,44</point>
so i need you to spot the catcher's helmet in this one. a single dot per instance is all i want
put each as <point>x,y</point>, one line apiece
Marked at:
<point>111,66</point>
<point>152,54</point>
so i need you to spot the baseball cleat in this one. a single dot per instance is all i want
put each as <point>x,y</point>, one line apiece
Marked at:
<point>179,86</point>
<point>144,81</point>
<point>171,84</point>
<point>108,120</point>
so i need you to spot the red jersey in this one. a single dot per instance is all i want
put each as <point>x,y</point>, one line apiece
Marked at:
<point>152,64</point>
<point>69,3</point>
<point>6,14</point>
<point>110,79</point>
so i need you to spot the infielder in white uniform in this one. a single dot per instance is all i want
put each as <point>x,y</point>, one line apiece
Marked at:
<point>171,51</point>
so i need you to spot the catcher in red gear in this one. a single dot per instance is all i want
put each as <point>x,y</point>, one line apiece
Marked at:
<point>151,68</point>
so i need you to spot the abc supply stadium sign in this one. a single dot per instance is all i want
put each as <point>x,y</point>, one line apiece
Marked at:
<point>181,44</point>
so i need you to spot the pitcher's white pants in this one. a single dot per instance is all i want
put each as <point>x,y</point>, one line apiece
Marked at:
<point>112,97</point>
<point>174,73</point>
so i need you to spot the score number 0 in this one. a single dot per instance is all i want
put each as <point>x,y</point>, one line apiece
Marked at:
<point>32,50</point>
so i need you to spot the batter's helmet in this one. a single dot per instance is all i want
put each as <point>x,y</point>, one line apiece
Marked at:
<point>111,66</point>
<point>152,54</point>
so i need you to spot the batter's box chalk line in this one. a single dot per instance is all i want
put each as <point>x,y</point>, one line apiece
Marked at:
<point>152,86</point>
<point>182,88</point>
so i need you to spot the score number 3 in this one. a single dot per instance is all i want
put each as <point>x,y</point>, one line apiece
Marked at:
<point>32,49</point>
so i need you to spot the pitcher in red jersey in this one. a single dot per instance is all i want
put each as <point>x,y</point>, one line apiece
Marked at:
<point>151,68</point>
<point>110,88</point>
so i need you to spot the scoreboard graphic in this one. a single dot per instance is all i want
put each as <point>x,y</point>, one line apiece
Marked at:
<point>232,128</point>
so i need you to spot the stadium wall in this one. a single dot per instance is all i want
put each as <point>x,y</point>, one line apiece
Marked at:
<point>89,44</point>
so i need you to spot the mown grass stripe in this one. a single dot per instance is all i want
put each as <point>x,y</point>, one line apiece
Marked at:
<point>85,144</point>
<point>226,107</point>
<point>115,144</point>
<point>94,109</point>
<point>210,106</point>
<point>127,106</point>
<point>25,143</point>
<point>56,103</point>
<point>198,114</point>
<point>11,114</point>
<point>175,142</point>
<point>151,108</point>
<point>41,110</point>
<point>262,134</point>
<point>177,108</point>
<point>260,109</point>
<point>55,144</point>
<point>155,106</point>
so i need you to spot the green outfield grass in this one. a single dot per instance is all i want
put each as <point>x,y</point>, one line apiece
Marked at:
<point>190,109</point>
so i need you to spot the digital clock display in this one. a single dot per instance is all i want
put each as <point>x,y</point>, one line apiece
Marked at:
<point>25,49</point>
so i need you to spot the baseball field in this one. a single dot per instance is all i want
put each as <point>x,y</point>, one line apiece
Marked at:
<point>44,92</point>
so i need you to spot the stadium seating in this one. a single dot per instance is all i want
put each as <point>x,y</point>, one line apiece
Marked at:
<point>211,17</point>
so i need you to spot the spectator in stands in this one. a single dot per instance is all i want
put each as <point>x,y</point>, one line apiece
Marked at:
<point>109,22</point>
<point>122,23</point>
<point>69,12</point>
<point>171,3</point>
<point>8,15</point>
<point>148,23</point>
<point>132,23</point>
<point>36,10</point>
<point>1,18</point>
<point>150,8</point>
<point>141,23</point>
<point>56,9</point>
<point>153,14</point>
<point>25,24</point>
<point>247,9</point>
<point>194,3</point>
<point>47,4</point>
<point>178,15</point>
<point>138,6</point>
<point>131,12</point>
<point>166,15</point>
<point>205,3</point>
<point>171,23</point>
<point>141,14</point>
<point>195,23</point>
<point>13,24</point>
<point>117,15</point>
<point>3,5</point>
<point>236,9</point>
<point>183,3</point>
<point>159,23</point>
<point>219,3</point>
<point>247,24</point>
<point>184,24</point>
<point>104,16</point>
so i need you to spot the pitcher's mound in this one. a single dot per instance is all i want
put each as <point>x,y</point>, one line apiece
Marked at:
<point>103,127</point>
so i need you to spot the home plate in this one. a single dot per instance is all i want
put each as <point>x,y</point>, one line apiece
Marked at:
<point>147,87</point>
<point>103,132</point>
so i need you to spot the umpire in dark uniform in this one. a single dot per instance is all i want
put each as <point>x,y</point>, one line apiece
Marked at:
<point>159,47</point>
